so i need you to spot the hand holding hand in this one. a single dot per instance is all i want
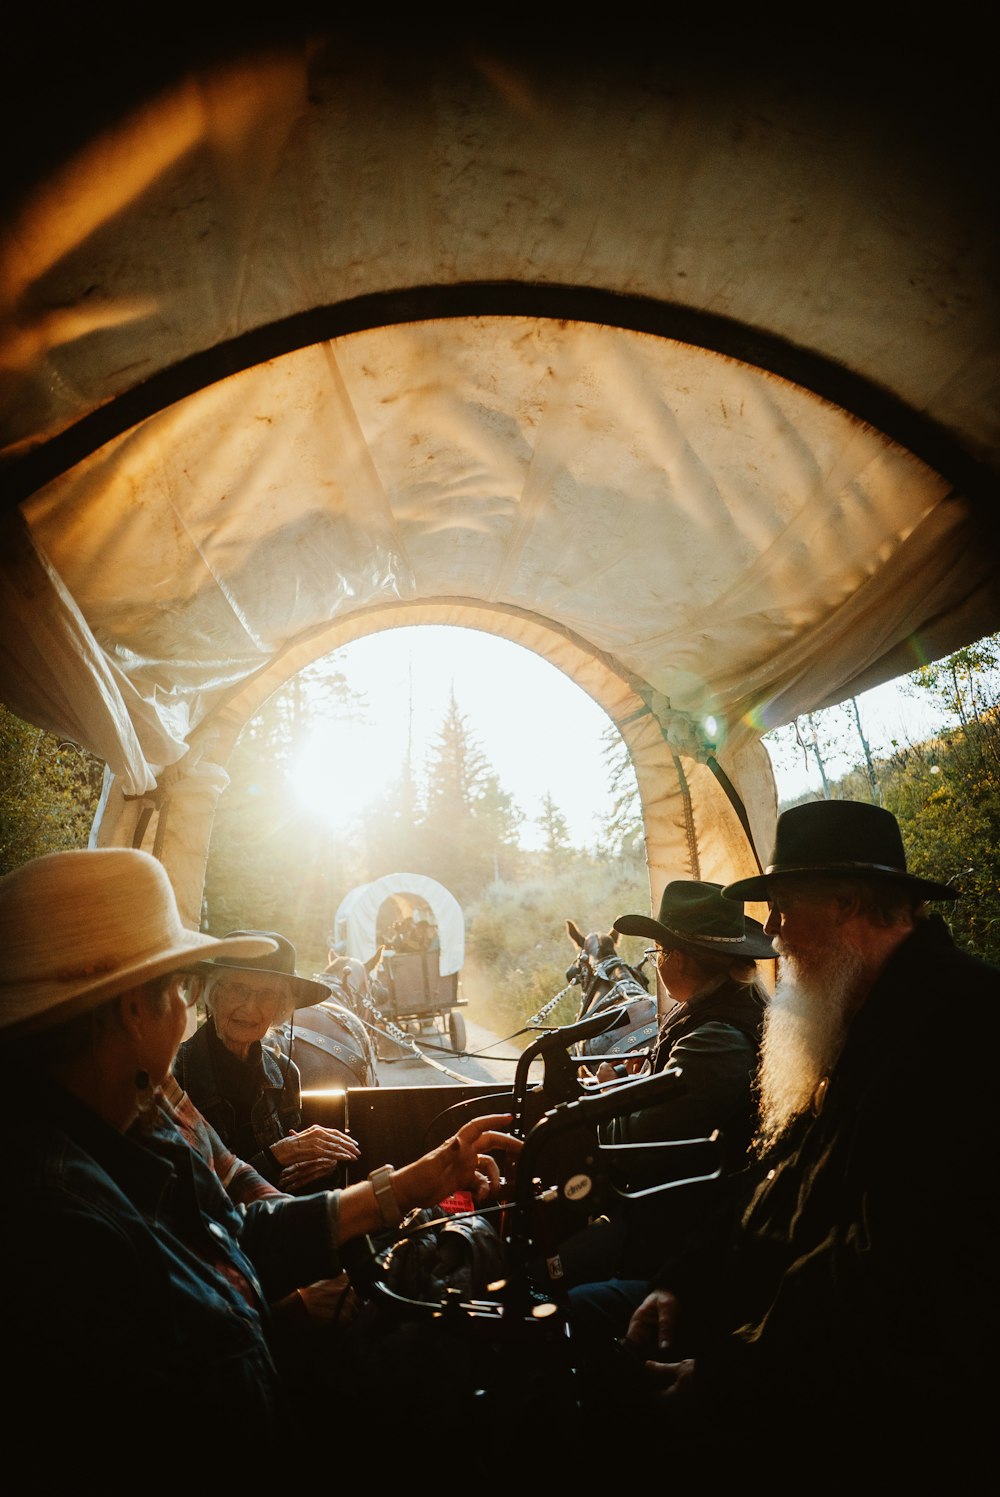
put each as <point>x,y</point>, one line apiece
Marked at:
<point>651,1333</point>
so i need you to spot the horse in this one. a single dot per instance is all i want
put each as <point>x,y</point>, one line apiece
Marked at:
<point>606,981</point>
<point>352,981</point>
<point>329,1041</point>
<point>358,985</point>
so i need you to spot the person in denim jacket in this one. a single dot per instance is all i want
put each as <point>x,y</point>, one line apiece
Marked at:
<point>137,1293</point>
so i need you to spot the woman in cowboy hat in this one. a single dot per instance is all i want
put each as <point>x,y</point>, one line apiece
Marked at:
<point>249,1092</point>
<point>134,1291</point>
<point>707,951</point>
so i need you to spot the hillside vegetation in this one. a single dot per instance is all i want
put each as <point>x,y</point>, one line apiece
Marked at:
<point>945,791</point>
<point>517,948</point>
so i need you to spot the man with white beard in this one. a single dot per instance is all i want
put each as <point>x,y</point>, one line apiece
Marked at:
<point>821,987</point>
<point>845,1314</point>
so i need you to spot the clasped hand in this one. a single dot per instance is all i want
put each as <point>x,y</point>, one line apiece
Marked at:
<point>312,1154</point>
<point>650,1336</point>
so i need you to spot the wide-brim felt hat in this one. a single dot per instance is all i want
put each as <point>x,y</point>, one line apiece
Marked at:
<point>838,839</point>
<point>694,917</point>
<point>278,961</point>
<point>79,927</point>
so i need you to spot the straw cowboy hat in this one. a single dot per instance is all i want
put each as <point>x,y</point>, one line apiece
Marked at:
<point>78,927</point>
<point>838,839</point>
<point>277,962</point>
<point>694,917</point>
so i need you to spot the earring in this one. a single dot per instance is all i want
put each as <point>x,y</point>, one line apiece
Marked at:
<point>144,1095</point>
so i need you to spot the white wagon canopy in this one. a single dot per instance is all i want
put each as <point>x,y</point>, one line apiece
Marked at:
<point>356,924</point>
<point>675,362</point>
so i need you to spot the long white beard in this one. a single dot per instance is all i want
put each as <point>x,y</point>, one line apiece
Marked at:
<point>804,1029</point>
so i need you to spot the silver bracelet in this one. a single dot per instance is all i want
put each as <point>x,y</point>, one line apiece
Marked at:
<point>385,1196</point>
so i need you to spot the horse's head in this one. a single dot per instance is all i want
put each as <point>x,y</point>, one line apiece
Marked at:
<point>349,977</point>
<point>595,948</point>
<point>605,978</point>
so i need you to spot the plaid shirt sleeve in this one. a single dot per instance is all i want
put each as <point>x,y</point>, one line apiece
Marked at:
<point>241,1182</point>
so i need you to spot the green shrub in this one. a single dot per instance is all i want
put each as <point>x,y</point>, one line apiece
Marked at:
<point>517,942</point>
<point>49,789</point>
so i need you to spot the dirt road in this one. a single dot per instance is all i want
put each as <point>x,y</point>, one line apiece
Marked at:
<point>489,1059</point>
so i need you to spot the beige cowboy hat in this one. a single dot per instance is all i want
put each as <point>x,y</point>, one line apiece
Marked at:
<point>77,927</point>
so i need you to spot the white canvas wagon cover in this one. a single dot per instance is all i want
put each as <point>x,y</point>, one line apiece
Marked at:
<point>356,920</point>
<point>671,355</point>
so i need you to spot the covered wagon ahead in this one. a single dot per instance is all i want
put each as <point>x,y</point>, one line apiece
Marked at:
<point>420,929</point>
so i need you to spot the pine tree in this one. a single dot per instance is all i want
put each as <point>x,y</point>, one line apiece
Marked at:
<point>471,822</point>
<point>456,768</point>
<point>622,832</point>
<point>393,834</point>
<point>557,849</point>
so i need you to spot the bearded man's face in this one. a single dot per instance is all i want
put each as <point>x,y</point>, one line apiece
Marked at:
<point>809,1013</point>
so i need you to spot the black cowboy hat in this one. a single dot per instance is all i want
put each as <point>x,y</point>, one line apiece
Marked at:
<point>838,839</point>
<point>694,917</point>
<point>280,963</point>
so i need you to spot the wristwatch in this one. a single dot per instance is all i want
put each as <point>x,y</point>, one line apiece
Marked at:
<point>385,1195</point>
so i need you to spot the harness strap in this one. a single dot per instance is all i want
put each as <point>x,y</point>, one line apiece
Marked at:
<point>357,1064</point>
<point>390,1030</point>
<point>604,971</point>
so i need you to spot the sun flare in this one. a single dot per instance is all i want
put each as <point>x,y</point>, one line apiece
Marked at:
<point>342,768</point>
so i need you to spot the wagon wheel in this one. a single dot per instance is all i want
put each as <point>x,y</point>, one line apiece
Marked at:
<point>456,1030</point>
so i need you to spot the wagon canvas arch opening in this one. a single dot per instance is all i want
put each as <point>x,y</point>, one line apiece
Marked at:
<point>695,404</point>
<point>677,765</point>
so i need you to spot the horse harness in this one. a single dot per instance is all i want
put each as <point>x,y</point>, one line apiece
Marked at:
<point>625,987</point>
<point>355,1062</point>
<point>589,974</point>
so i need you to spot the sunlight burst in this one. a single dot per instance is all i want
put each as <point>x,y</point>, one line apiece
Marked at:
<point>343,768</point>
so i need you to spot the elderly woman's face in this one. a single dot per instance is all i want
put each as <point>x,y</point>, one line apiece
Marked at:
<point>245,1006</point>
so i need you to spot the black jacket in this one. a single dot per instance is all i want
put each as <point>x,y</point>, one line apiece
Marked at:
<point>714,1040</point>
<point>277,1101</point>
<point>136,1291</point>
<point>854,1306</point>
